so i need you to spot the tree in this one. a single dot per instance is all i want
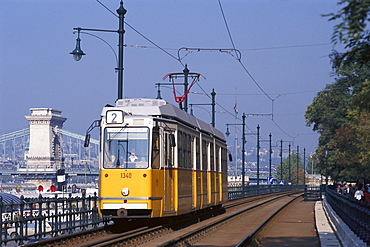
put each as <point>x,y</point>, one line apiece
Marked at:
<point>341,112</point>
<point>311,165</point>
<point>352,29</point>
<point>293,169</point>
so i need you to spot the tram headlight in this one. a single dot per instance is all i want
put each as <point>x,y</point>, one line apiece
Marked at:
<point>125,191</point>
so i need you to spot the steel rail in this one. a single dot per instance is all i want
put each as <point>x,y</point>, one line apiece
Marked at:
<point>251,236</point>
<point>203,230</point>
<point>142,234</point>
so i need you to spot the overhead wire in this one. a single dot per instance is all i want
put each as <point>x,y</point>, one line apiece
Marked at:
<point>223,108</point>
<point>251,49</point>
<point>142,35</point>
<point>284,47</point>
<point>179,60</point>
<point>240,60</point>
<point>246,70</point>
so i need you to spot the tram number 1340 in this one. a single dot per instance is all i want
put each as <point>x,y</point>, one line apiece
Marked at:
<point>126,175</point>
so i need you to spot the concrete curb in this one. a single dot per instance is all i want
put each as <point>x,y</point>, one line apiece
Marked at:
<point>326,233</point>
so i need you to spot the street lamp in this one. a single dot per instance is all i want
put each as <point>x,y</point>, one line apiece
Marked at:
<point>78,53</point>
<point>243,150</point>
<point>326,150</point>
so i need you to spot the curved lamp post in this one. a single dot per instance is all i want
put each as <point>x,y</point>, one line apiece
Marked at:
<point>78,53</point>
<point>326,151</point>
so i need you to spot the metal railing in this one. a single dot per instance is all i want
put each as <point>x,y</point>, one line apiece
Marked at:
<point>44,217</point>
<point>252,190</point>
<point>313,193</point>
<point>355,214</point>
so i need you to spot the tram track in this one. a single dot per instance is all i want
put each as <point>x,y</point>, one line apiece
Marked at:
<point>228,229</point>
<point>190,229</point>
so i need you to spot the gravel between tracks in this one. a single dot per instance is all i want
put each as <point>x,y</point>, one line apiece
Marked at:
<point>296,227</point>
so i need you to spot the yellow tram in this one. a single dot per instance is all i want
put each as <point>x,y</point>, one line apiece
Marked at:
<point>158,161</point>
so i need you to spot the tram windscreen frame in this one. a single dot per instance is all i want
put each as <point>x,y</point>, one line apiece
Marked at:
<point>126,148</point>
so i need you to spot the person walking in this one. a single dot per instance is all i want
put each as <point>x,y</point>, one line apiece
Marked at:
<point>339,189</point>
<point>359,194</point>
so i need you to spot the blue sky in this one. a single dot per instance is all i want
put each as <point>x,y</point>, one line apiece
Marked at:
<point>284,45</point>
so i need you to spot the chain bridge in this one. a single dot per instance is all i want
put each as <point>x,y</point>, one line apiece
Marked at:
<point>38,153</point>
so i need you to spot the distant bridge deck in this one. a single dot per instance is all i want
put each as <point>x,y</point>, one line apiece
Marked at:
<point>41,172</point>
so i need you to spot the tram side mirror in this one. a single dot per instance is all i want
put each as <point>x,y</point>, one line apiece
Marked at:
<point>172,140</point>
<point>87,140</point>
<point>230,157</point>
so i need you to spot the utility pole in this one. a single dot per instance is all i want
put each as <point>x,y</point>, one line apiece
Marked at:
<point>270,159</point>
<point>258,155</point>
<point>289,163</point>
<point>297,163</point>
<point>186,73</point>
<point>304,166</point>
<point>281,159</point>
<point>243,150</point>
<point>213,94</point>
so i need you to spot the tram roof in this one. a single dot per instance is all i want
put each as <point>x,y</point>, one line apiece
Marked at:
<point>160,107</point>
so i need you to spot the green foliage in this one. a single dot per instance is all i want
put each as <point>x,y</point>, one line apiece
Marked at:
<point>341,112</point>
<point>362,99</point>
<point>293,169</point>
<point>353,17</point>
<point>352,30</point>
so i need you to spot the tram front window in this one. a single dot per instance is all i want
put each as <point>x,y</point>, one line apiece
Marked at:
<point>126,148</point>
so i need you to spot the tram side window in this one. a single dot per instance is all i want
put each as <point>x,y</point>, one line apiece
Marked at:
<point>218,153</point>
<point>188,151</point>
<point>212,156</point>
<point>197,151</point>
<point>204,155</point>
<point>184,151</point>
<point>168,150</point>
<point>156,149</point>
<point>223,160</point>
<point>180,154</point>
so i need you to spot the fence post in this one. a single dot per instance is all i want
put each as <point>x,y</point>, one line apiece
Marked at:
<point>95,210</point>
<point>84,209</point>
<point>21,225</point>
<point>55,218</point>
<point>69,214</point>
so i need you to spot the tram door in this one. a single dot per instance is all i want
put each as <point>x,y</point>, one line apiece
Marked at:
<point>169,176</point>
<point>197,176</point>
<point>218,177</point>
<point>212,182</point>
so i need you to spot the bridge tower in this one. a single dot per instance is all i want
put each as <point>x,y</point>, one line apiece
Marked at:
<point>45,154</point>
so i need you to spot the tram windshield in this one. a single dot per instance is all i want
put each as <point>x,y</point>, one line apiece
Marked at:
<point>126,148</point>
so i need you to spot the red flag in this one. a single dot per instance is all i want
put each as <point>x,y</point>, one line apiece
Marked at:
<point>235,109</point>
